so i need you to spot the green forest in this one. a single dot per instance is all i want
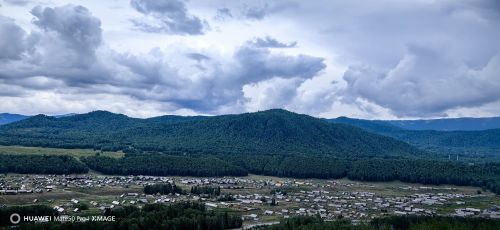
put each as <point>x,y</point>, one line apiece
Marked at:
<point>479,145</point>
<point>183,215</point>
<point>267,132</point>
<point>274,142</point>
<point>193,215</point>
<point>163,165</point>
<point>486,175</point>
<point>435,172</point>
<point>41,164</point>
<point>163,188</point>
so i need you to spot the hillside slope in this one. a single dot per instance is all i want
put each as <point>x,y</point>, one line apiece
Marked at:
<point>267,132</point>
<point>475,144</point>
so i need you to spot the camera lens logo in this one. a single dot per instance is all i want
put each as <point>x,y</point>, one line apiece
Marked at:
<point>15,218</point>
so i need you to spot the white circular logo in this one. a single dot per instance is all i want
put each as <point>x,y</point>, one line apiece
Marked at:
<point>15,218</point>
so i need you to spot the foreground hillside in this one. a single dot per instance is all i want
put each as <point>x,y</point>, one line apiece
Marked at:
<point>268,132</point>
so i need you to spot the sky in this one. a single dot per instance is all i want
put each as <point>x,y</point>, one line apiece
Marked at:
<point>383,59</point>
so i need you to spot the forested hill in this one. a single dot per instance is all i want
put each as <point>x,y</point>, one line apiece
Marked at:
<point>446,124</point>
<point>474,144</point>
<point>268,132</point>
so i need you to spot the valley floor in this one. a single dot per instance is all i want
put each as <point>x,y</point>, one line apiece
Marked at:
<point>259,199</point>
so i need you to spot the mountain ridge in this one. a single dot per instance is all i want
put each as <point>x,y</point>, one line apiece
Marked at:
<point>267,132</point>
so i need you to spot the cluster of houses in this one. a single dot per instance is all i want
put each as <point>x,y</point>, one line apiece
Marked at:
<point>258,198</point>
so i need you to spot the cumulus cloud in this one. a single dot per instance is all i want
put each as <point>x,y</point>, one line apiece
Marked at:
<point>62,46</point>
<point>273,93</point>
<point>66,56</point>
<point>167,17</point>
<point>76,28</point>
<point>418,59</point>
<point>425,82</point>
<point>258,63</point>
<point>11,43</point>
<point>269,42</point>
<point>214,83</point>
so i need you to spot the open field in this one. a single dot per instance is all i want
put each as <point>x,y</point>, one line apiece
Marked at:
<point>78,153</point>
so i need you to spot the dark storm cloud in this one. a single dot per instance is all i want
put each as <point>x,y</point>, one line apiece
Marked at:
<point>258,63</point>
<point>198,56</point>
<point>223,14</point>
<point>218,85</point>
<point>167,17</point>
<point>17,2</point>
<point>12,42</point>
<point>260,10</point>
<point>269,42</point>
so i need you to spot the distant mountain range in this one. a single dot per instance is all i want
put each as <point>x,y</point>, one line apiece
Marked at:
<point>449,124</point>
<point>268,132</point>
<point>477,143</point>
<point>6,118</point>
<point>444,124</point>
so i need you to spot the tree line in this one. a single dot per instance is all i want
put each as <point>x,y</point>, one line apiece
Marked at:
<point>434,172</point>
<point>206,190</point>
<point>162,188</point>
<point>486,175</point>
<point>41,164</point>
<point>162,165</point>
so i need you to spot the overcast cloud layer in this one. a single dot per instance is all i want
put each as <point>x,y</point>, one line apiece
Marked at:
<point>369,59</point>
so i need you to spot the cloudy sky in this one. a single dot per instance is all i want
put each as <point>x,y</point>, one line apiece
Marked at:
<point>369,59</point>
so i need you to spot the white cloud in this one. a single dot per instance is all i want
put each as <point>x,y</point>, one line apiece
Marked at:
<point>425,83</point>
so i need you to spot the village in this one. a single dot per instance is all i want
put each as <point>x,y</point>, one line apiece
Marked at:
<point>260,199</point>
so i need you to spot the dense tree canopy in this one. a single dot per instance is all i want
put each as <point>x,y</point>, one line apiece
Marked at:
<point>377,169</point>
<point>163,165</point>
<point>163,188</point>
<point>41,164</point>
<point>473,145</point>
<point>184,215</point>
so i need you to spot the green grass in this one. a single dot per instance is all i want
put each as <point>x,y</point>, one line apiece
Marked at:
<point>78,153</point>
